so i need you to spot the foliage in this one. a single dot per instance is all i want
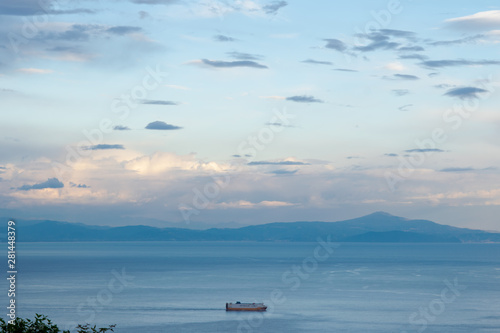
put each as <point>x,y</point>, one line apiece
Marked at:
<point>42,324</point>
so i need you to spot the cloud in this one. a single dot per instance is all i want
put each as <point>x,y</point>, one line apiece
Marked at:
<point>35,71</point>
<point>413,56</point>
<point>411,48</point>
<point>71,53</point>
<point>84,32</point>
<point>457,169</point>
<point>143,14</point>
<point>123,30</point>
<point>465,92</point>
<point>121,128</point>
<point>383,40</point>
<point>11,138</point>
<point>244,56</point>
<point>154,2</point>
<point>50,183</point>
<point>400,92</point>
<point>402,77</point>
<point>78,185</point>
<point>157,102</point>
<point>444,86</point>
<point>232,64</point>
<point>7,91</point>
<point>165,164</point>
<point>283,172</point>
<point>223,8</point>
<point>465,40</point>
<point>35,7</point>
<point>247,204</point>
<point>317,62</point>
<point>63,49</point>
<point>406,77</point>
<point>479,21</point>
<point>223,38</point>
<point>160,125</point>
<point>409,35</point>
<point>335,44</point>
<point>77,33</point>
<point>380,45</point>
<point>304,99</point>
<point>279,125</point>
<point>404,107</point>
<point>278,163</point>
<point>425,150</point>
<point>273,7</point>
<point>459,62</point>
<point>395,66</point>
<point>345,70</point>
<point>391,155</point>
<point>104,147</point>
<point>378,42</point>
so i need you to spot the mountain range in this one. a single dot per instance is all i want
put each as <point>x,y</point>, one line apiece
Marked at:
<point>376,227</point>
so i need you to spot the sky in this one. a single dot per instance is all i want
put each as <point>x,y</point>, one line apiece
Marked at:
<point>250,111</point>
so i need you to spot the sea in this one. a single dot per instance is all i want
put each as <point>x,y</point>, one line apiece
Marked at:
<point>308,287</point>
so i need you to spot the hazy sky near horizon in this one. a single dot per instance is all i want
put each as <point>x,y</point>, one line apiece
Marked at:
<point>250,111</point>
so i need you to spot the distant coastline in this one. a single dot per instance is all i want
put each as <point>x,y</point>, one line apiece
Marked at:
<point>378,227</point>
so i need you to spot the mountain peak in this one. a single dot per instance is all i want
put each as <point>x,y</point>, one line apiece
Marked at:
<point>381,214</point>
<point>379,218</point>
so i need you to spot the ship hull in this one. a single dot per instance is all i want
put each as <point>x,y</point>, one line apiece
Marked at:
<point>245,307</point>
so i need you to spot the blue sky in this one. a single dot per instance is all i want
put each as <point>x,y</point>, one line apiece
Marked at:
<point>114,112</point>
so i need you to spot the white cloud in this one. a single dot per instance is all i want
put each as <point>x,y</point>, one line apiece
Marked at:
<point>35,71</point>
<point>479,21</point>
<point>71,57</point>
<point>157,185</point>
<point>459,198</point>
<point>162,162</point>
<point>247,204</point>
<point>395,66</point>
<point>220,9</point>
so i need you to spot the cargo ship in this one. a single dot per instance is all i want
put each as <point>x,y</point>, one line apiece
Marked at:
<point>238,306</point>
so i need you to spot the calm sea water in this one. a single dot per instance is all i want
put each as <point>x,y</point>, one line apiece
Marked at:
<point>183,286</point>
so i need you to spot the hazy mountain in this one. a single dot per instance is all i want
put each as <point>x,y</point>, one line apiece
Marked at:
<point>151,222</point>
<point>376,227</point>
